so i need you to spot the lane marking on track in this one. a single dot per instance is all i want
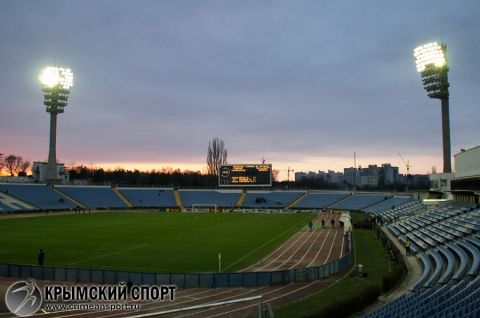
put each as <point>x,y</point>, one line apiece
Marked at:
<point>265,301</point>
<point>273,260</point>
<point>306,253</point>
<point>331,248</point>
<point>261,246</point>
<point>320,249</point>
<point>295,252</point>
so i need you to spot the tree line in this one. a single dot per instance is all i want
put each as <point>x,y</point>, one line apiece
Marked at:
<point>14,165</point>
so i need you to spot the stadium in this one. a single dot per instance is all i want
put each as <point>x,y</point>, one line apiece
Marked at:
<point>237,237</point>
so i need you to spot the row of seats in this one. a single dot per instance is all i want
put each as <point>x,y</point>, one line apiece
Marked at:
<point>393,214</point>
<point>447,243</point>
<point>61,197</point>
<point>390,203</point>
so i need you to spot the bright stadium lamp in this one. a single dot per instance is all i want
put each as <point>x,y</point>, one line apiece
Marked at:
<point>431,61</point>
<point>56,85</point>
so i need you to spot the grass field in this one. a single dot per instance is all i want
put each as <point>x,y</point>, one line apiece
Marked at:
<point>147,241</point>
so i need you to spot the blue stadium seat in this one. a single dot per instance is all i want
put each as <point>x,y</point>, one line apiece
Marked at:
<point>225,199</point>
<point>39,195</point>
<point>149,197</point>
<point>318,200</point>
<point>94,197</point>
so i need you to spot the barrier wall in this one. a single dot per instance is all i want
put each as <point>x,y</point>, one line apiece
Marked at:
<point>182,280</point>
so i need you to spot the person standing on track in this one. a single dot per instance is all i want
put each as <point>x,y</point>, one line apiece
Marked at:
<point>41,257</point>
<point>332,222</point>
<point>323,223</point>
<point>310,226</point>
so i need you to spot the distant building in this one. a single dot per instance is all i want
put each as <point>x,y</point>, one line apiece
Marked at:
<point>465,185</point>
<point>39,172</point>
<point>390,174</point>
<point>368,181</point>
<point>350,175</point>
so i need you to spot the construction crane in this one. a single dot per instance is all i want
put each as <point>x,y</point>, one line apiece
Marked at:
<point>407,163</point>
<point>288,170</point>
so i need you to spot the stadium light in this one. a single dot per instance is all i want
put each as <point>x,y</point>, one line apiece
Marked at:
<point>56,85</point>
<point>431,61</point>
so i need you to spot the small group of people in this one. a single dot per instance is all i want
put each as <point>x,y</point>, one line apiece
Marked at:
<point>310,224</point>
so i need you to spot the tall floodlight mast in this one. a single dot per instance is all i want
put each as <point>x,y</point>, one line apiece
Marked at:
<point>56,85</point>
<point>431,61</point>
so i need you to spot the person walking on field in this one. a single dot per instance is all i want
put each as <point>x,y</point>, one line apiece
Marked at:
<point>41,257</point>
<point>407,247</point>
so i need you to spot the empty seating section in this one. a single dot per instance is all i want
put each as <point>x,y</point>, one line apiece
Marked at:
<point>39,195</point>
<point>448,247</point>
<point>149,197</point>
<point>224,199</point>
<point>94,197</point>
<point>272,199</point>
<point>315,200</point>
<point>390,203</point>
<point>359,201</point>
<point>408,208</point>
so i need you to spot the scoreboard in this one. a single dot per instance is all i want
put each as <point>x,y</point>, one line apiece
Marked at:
<point>245,175</point>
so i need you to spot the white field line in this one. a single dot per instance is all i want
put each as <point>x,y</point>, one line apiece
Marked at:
<point>306,253</point>
<point>109,254</point>
<point>261,246</point>
<point>273,260</point>
<point>295,252</point>
<point>320,249</point>
<point>331,248</point>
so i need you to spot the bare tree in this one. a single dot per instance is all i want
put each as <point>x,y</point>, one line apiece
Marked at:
<point>12,164</point>
<point>216,155</point>
<point>24,166</point>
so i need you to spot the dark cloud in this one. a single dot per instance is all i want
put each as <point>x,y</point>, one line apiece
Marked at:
<point>154,81</point>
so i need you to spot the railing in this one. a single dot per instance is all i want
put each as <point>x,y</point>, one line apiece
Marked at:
<point>181,280</point>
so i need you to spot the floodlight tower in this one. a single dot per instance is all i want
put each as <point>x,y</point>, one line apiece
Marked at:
<point>431,60</point>
<point>56,84</point>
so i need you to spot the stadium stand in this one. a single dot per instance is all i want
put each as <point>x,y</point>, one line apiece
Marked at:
<point>318,200</point>
<point>225,199</point>
<point>357,202</point>
<point>149,197</point>
<point>450,256</point>
<point>270,199</point>
<point>390,203</point>
<point>11,204</point>
<point>408,208</point>
<point>94,197</point>
<point>39,195</point>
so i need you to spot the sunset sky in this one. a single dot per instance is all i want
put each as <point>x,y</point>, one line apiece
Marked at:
<point>302,84</point>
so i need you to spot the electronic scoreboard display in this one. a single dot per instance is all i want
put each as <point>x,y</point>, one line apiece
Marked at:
<point>245,175</point>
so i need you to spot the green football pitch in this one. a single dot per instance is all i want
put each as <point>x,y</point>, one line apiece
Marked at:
<point>147,241</point>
